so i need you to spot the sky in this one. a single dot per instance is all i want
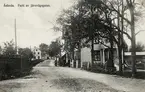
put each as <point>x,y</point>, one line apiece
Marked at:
<point>33,23</point>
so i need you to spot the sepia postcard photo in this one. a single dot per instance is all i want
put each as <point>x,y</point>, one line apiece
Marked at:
<point>72,46</point>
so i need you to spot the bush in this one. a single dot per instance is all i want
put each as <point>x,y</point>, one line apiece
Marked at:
<point>98,67</point>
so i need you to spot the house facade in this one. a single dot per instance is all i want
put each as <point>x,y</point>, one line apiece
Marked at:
<point>83,59</point>
<point>101,55</point>
<point>37,53</point>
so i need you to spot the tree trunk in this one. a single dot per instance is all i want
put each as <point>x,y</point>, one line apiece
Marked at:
<point>79,58</point>
<point>119,46</point>
<point>92,38</point>
<point>110,62</point>
<point>120,59</point>
<point>111,53</point>
<point>92,51</point>
<point>120,39</point>
<point>133,41</point>
<point>72,57</point>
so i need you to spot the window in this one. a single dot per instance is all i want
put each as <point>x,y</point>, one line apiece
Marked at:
<point>97,56</point>
<point>38,57</point>
<point>96,40</point>
<point>38,53</point>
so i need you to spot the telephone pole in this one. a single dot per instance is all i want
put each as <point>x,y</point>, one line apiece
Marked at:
<point>15,28</point>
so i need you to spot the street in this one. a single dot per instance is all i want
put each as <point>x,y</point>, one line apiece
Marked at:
<point>46,77</point>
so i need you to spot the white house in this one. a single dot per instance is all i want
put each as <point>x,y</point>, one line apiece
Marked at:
<point>101,54</point>
<point>37,53</point>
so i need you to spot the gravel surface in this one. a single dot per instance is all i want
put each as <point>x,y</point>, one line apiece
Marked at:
<point>47,78</point>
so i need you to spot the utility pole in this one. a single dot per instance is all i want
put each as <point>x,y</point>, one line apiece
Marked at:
<point>15,28</point>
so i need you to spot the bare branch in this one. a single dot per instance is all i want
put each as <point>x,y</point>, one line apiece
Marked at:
<point>104,44</point>
<point>139,32</point>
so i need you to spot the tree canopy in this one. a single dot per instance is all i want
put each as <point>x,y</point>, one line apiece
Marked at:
<point>104,20</point>
<point>54,49</point>
<point>9,48</point>
<point>26,53</point>
<point>44,49</point>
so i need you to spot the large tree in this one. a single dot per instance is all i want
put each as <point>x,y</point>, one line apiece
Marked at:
<point>9,48</point>
<point>54,49</point>
<point>89,20</point>
<point>26,53</point>
<point>44,49</point>
<point>97,19</point>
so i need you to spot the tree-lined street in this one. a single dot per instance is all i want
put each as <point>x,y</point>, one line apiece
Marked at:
<point>62,79</point>
<point>106,23</point>
<point>92,47</point>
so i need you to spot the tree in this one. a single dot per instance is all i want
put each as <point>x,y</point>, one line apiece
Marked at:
<point>97,19</point>
<point>54,49</point>
<point>26,53</point>
<point>9,48</point>
<point>101,26</point>
<point>44,49</point>
<point>89,20</point>
<point>71,27</point>
<point>0,50</point>
<point>131,7</point>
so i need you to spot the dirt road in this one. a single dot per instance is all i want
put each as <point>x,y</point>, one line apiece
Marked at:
<point>47,78</point>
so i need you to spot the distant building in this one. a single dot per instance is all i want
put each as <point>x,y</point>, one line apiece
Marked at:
<point>37,53</point>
